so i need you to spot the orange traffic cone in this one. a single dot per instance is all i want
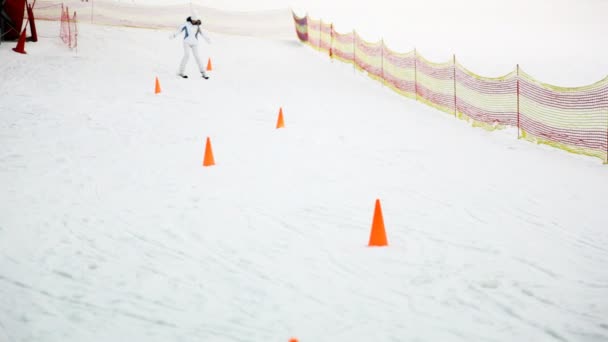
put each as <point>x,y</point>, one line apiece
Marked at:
<point>208,161</point>
<point>157,87</point>
<point>21,43</point>
<point>280,121</point>
<point>293,340</point>
<point>378,234</point>
<point>209,67</point>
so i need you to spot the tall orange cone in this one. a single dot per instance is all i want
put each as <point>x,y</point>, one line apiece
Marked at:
<point>157,87</point>
<point>378,234</point>
<point>208,161</point>
<point>209,66</point>
<point>21,43</point>
<point>280,121</point>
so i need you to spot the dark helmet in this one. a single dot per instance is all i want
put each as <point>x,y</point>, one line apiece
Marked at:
<point>194,20</point>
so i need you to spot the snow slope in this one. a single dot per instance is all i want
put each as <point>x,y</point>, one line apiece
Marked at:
<point>560,42</point>
<point>111,230</point>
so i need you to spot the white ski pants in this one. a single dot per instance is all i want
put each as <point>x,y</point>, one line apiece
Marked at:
<point>194,48</point>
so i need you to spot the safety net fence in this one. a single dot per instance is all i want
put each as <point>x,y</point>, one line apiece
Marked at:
<point>274,24</point>
<point>572,119</point>
<point>69,28</point>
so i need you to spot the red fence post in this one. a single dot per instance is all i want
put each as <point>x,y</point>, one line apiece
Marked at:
<point>518,123</point>
<point>455,106</point>
<point>31,20</point>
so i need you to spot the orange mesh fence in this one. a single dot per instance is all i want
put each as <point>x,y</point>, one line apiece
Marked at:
<point>325,36</point>
<point>342,46</point>
<point>572,119</point>
<point>69,28</point>
<point>301,27</point>
<point>400,71</point>
<point>368,57</point>
<point>314,33</point>
<point>265,23</point>
<point>485,101</point>
<point>435,84</point>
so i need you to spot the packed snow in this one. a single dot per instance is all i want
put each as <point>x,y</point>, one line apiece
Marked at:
<point>112,230</point>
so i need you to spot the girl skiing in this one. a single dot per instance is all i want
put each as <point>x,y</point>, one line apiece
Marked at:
<point>191,30</point>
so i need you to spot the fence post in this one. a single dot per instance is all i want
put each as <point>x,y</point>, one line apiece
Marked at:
<point>518,119</point>
<point>354,51</point>
<point>67,11</point>
<point>331,41</point>
<point>455,99</point>
<point>61,26</point>
<point>416,74</point>
<point>382,59</point>
<point>75,32</point>
<point>606,99</point>
<point>32,22</point>
<point>606,103</point>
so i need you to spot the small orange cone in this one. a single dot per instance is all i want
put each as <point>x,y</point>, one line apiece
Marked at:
<point>280,121</point>
<point>209,67</point>
<point>293,340</point>
<point>21,44</point>
<point>157,87</point>
<point>378,234</point>
<point>208,161</point>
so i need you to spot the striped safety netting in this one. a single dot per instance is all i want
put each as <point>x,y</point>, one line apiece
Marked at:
<point>488,102</point>
<point>69,28</point>
<point>572,119</point>
<point>263,23</point>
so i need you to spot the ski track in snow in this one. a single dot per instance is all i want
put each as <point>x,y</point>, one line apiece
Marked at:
<point>112,230</point>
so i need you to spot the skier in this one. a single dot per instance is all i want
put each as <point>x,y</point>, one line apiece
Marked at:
<point>191,29</point>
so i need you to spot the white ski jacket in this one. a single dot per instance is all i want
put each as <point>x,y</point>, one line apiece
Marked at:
<point>191,33</point>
